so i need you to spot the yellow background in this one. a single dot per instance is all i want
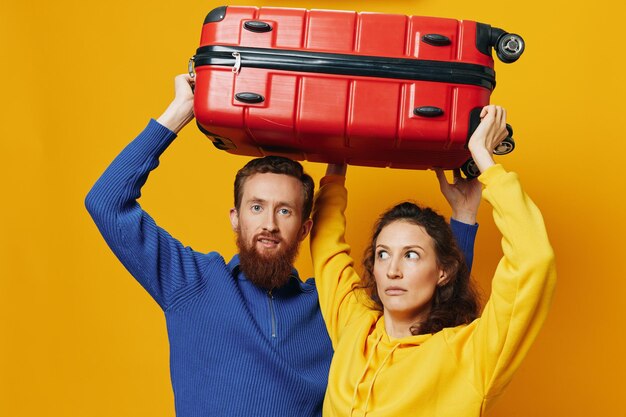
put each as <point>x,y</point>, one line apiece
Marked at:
<point>79,79</point>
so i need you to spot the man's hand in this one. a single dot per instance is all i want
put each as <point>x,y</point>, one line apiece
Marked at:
<point>463,195</point>
<point>337,169</point>
<point>180,110</point>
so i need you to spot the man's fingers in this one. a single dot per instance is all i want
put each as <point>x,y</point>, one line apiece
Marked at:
<point>441,176</point>
<point>457,175</point>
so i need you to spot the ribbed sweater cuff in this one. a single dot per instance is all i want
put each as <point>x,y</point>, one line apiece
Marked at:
<point>159,129</point>
<point>154,139</point>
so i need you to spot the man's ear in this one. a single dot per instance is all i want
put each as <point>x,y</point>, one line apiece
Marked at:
<point>305,229</point>
<point>234,219</point>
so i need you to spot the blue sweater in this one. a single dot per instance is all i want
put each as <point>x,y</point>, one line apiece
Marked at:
<point>235,349</point>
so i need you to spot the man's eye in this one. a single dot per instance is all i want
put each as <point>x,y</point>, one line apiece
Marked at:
<point>284,211</point>
<point>256,208</point>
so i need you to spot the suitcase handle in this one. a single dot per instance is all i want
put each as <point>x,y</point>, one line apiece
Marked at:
<point>257,26</point>
<point>428,111</point>
<point>436,39</point>
<point>249,98</point>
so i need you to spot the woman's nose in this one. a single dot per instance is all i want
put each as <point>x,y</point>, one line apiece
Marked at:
<point>394,271</point>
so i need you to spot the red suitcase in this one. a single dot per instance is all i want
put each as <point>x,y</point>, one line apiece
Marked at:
<point>338,86</point>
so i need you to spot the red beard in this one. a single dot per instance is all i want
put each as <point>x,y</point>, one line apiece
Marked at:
<point>267,271</point>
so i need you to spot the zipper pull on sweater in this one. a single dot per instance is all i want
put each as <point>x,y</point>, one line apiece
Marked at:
<point>272,313</point>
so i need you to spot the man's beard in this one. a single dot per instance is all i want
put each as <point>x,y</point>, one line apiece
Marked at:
<point>270,271</point>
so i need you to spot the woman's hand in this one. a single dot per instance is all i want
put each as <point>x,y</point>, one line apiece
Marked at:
<point>463,195</point>
<point>489,133</point>
<point>180,110</point>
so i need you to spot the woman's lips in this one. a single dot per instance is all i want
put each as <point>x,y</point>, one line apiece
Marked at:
<point>394,291</point>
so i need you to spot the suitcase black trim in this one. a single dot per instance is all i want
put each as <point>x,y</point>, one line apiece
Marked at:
<point>216,15</point>
<point>483,38</point>
<point>346,64</point>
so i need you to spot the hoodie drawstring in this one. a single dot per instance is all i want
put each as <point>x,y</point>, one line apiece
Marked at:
<point>367,364</point>
<point>380,368</point>
<point>365,368</point>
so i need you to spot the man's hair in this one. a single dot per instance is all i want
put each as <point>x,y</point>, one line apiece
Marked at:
<point>276,165</point>
<point>456,301</point>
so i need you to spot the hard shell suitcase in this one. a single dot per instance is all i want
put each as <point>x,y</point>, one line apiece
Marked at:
<point>338,86</point>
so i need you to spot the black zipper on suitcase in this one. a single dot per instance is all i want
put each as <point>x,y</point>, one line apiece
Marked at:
<point>345,64</point>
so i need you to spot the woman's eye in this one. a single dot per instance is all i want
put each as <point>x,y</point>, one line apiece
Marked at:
<point>382,255</point>
<point>412,255</point>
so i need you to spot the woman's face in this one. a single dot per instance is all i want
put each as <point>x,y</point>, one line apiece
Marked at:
<point>406,271</point>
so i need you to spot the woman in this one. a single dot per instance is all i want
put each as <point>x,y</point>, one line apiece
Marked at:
<point>409,349</point>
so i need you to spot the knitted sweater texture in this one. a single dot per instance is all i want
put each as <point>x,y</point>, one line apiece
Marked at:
<point>235,349</point>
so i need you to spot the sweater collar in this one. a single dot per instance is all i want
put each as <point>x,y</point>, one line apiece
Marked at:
<point>293,286</point>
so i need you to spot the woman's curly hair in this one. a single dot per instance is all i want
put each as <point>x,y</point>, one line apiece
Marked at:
<point>456,301</point>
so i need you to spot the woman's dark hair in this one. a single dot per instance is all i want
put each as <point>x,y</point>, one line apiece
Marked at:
<point>276,165</point>
<point>455,302</point>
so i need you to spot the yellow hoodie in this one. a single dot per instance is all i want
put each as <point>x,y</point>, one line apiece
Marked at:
<point>458,371</point>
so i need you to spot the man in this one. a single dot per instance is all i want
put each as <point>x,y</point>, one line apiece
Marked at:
<point>246,337</point>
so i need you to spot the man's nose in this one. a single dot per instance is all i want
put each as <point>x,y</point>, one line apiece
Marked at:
<point>269,223</point>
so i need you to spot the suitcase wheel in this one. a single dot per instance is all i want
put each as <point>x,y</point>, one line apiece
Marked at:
<point>509,128</point>
<point>223,144</point>
<point>470,169</point>
<point>509,47</point>
<point>506,146</point>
